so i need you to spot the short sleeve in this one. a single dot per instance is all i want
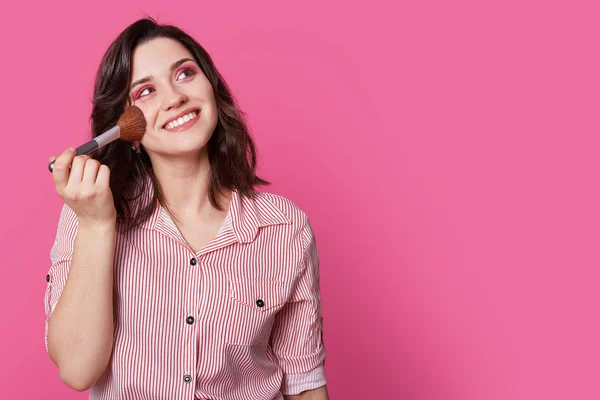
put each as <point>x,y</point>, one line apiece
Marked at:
<point>61,254</point>
<point>297,338</point>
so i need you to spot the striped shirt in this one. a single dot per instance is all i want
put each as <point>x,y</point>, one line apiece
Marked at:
<point>238,320</point>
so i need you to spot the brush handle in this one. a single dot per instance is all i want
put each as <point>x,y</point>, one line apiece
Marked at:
<point>86,148</point>
<point>96,143</point>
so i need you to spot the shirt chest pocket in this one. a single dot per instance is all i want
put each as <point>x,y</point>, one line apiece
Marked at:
<point>254,305</point>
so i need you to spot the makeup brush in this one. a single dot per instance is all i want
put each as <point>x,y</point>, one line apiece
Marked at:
<point>130,128</point>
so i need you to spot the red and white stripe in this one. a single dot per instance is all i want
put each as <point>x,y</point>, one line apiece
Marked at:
<point>253,294</point>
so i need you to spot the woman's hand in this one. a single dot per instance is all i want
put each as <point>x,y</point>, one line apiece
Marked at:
<point>83,184</point>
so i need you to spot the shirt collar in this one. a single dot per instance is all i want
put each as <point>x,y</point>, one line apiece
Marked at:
<point>248,215</point>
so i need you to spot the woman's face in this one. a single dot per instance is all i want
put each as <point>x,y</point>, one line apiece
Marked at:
<point>175,96</point>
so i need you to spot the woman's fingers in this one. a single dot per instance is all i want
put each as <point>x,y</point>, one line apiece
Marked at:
<point>60,172</point>
<point>90,171</point>
<point>103,178</point>
<point>77,167</point>
<point>84,185</point>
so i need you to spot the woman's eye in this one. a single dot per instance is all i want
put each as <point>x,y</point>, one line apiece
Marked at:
<point>144,92</point>
<point>185,73</point>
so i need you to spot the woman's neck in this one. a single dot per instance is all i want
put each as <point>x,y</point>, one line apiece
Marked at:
<point>184,185</point>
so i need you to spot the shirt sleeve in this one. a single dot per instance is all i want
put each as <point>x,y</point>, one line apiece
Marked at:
<point>297,338</point>
<point>61,254</point>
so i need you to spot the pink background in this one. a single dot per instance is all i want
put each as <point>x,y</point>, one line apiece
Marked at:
<point>446,153</point>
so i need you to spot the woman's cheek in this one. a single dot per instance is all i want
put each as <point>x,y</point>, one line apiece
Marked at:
<point>149,114</point>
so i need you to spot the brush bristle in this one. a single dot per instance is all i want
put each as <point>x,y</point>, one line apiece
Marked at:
<point>132,124</point>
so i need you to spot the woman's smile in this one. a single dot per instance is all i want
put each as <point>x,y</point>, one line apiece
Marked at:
<point>182,121</point>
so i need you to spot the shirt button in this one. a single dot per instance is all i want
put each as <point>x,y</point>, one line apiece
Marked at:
<point>260,303</point>
<point>193,261</point>
<point>48,278</point>
<point>189,320</point>
<point>187,379</point>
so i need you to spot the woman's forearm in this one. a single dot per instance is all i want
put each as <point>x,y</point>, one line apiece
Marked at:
<point>80,332</point>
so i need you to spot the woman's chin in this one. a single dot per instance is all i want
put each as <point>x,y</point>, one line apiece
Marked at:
<point>181,152</point>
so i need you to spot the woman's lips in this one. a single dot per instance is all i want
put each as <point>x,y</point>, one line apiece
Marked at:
<point>185,125</point>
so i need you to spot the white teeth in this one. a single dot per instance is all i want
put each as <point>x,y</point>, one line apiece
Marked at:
<point>181,120</point>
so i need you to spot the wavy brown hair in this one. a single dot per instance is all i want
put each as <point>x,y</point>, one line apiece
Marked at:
<point>231,151</point>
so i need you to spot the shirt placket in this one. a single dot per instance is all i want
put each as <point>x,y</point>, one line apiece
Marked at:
<point>190,321</point>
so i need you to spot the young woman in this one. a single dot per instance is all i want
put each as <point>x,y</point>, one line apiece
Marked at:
<point>172,277</point>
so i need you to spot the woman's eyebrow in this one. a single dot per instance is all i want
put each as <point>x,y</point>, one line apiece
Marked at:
<point>149,78</point>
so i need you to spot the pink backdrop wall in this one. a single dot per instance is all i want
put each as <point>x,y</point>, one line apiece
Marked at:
<point>445,152</point>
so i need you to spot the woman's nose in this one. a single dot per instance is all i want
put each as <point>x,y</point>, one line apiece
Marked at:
<point>173,98</point>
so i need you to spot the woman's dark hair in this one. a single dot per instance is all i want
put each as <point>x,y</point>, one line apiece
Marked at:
<point>231,151</point>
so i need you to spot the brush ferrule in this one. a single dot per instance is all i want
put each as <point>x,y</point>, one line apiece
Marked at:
<point>109,136</point>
